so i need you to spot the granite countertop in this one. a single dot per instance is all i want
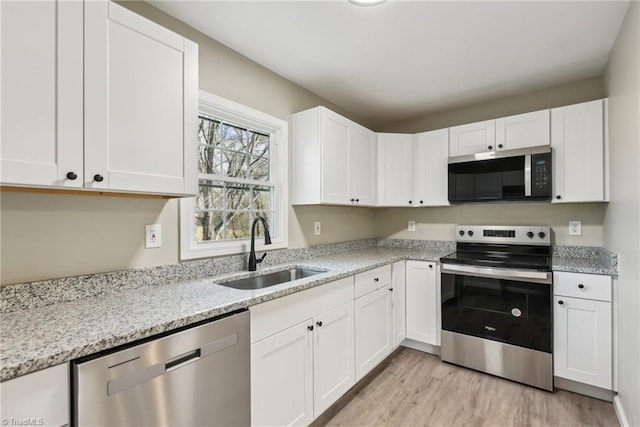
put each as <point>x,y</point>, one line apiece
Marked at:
<point>40,337</point>
<point>52,322</point>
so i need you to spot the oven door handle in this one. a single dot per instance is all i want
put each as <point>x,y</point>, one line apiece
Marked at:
<point>498,273</point>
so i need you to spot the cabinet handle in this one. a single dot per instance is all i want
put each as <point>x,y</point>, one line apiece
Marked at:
<point>98,178</point>
<point>319,323</point>
<point>357,200</point>
<point>490,147</point>
<point>71,175</point>
<point>581,286</point>
<point>375,279</point>
<point>558,197</point>
<point>560,302</point>
<point>410,201</point>
<point>421,202</point>
<point>430,266</point>
<point>390,289</point>
<point>310,327</point>
<point>500,145</point>
<point>352,200</point>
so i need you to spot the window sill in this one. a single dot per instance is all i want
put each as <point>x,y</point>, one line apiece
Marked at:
<point>216,249</point>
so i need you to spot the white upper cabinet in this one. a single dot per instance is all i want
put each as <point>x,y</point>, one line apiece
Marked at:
<point>41,102</point>
<point>472,138</point>
<point>505,133</point>
<point>579,153</point>
<point>395,169</point>
<point>412,169</point>
<point>522,131</point>
<point>431,150</point>
<point>334,160</point>
<point>98,98</point>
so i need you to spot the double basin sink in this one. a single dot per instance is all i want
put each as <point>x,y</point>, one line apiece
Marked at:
<point>271,279</point>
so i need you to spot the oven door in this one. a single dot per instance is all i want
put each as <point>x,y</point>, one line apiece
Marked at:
<point>498,304</point>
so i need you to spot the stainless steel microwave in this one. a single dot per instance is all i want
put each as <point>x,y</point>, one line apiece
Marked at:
<point>509,175</point>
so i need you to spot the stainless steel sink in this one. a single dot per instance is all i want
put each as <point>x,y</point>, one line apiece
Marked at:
<point>271,279</point>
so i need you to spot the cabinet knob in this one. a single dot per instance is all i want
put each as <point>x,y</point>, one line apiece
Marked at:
<point>310,327</point>
<point>410,201</point>
<point>430,265</point>
<point>490,147</point>
<point>560,302</point>
<point>421,202</point>
<point>390,289</point>
<point>500,145</point>
<point>357,200</point>
<point>558,197</point>
<point>318,323</point>
<point>98,178</point>
<point>581,286</point>
<point>375,279</point>
<point>352,200</point>
<point>71,176</point>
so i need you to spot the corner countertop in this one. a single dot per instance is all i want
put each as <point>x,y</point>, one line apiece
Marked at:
<point>41,337</point>
<point>35,338</point>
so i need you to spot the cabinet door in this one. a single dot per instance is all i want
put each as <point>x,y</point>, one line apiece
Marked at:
<point>395,169</point>
<point>42,395</point>
<point>472,138</point>
<point>140,104</point>
<point>373,330</point>
<point>583,341</point>
<point>333,362</point>
<point>398,284</point>
<point>578,152</point>
<point>431,168</point>
<point>423,309</point>
<point>335,158</point>
<point>41,102</point>
<point>362,165</point>
<point>281,378</point>
<point>523,130</point>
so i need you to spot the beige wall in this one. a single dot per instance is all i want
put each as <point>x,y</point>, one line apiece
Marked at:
<point>622,217</point>
<point>439,223</point>
<point>48,236</point>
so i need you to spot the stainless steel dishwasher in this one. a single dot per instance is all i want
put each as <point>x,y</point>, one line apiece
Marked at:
<point>197,376</point>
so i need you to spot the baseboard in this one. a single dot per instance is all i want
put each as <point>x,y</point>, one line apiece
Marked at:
<point>585,389</point>
<point>420,346</point>
<point>622,416</point>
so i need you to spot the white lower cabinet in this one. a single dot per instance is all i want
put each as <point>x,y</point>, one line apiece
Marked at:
<point>373,330</point>
<point>281,378</point>
<point>40,398</point>
<point>302,354</point>
<point>583,329</point>
<point>423,302</point>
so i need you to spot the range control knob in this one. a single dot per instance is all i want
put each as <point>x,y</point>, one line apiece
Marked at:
<point>470,233</point>
<point>541,235</point>
<point>530,234</point>
<point>461,232</point>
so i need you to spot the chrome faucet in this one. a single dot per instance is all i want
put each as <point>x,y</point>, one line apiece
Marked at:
<point>253,262</point>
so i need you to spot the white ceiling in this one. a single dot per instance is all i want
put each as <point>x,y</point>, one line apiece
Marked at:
<point>405,59</point>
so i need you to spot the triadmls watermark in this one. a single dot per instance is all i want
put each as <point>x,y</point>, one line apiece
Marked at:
<point>22,422</point>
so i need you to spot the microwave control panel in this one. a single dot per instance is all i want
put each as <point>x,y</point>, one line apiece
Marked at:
<point>541,175</point>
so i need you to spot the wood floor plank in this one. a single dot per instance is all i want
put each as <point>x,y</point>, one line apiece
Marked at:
<point>412,388</point>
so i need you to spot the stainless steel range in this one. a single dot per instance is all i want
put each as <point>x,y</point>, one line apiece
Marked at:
<point>496,303</point>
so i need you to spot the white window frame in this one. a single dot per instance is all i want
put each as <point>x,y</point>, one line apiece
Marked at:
<point>278,130</point>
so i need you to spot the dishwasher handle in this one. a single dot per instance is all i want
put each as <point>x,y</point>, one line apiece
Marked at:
<point>181,360</point>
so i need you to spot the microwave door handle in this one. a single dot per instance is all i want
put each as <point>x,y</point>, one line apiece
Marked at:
<point>527,175</point>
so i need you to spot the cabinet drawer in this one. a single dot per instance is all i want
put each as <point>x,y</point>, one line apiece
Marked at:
<point>580,285</point>
<point>371,280</point>
<point>281,313</point>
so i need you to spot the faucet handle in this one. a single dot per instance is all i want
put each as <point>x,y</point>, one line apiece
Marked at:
<point>261,258</point>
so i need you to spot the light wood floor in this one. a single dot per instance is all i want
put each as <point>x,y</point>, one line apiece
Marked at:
<point>412,388</point>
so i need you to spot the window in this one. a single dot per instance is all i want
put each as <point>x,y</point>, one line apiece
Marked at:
<point>242,170</point>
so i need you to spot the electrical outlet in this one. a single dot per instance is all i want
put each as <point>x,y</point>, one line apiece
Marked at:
<point>575,228</point>
<point>316,228</point>
<point>153,235</point>
<point>411,226</point>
